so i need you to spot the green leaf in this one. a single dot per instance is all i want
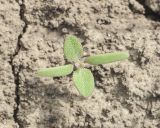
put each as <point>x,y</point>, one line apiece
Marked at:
<point>107,58</point>
<point>56,71</point>
<point>84,81</point>
<point>72,48</point>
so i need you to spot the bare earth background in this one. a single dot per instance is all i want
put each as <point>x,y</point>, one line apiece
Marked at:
<point>32,33</point>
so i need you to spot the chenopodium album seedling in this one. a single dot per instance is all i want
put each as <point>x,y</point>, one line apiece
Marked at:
<point>82,77</point>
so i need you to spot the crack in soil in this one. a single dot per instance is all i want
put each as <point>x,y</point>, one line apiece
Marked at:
<point>147,111</point>
<point>149,13</point>
<point>16,69</point>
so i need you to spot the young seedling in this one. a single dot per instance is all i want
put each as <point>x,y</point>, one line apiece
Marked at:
<point>82,77</point>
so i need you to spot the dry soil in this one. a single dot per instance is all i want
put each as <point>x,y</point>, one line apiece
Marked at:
<point>32,33</point>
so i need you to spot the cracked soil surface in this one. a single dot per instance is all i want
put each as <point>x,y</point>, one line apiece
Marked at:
<point>127,94</point>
